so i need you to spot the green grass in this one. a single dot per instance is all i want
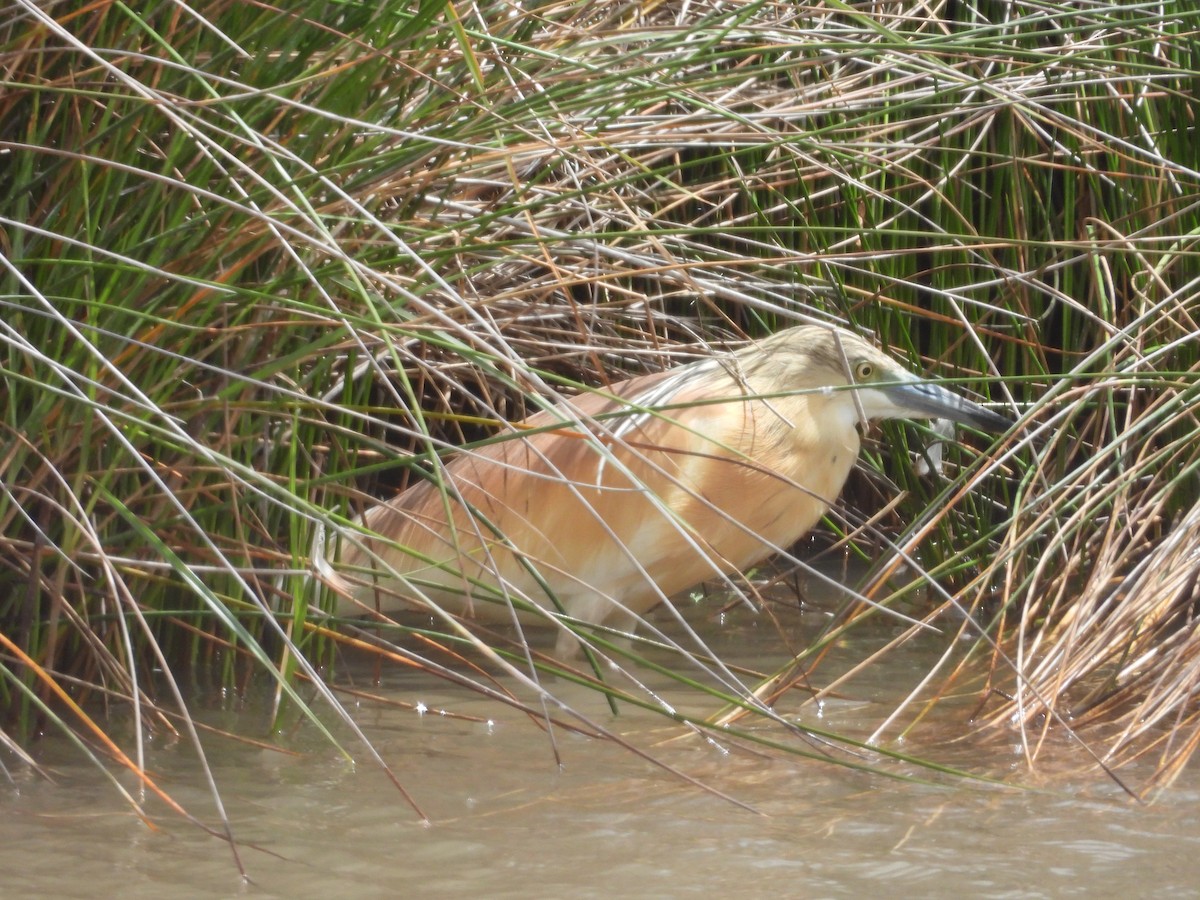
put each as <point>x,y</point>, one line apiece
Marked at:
<point>259,265</point>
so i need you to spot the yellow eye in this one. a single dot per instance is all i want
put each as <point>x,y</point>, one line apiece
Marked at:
<point>864,371</point>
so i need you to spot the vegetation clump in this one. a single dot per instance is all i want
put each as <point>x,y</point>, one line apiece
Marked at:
<point>261,265</point>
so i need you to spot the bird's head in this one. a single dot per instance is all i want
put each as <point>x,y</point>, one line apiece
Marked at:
<point>818,357</point>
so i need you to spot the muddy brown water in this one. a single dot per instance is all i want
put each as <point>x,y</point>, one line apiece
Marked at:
<point>506,821</point>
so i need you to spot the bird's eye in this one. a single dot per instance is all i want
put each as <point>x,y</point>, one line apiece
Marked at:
<point>864,371</point>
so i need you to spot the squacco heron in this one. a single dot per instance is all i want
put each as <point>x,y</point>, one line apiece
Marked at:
<point>606,504</point>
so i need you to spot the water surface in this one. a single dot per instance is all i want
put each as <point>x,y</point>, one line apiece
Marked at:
<point>507,821</point>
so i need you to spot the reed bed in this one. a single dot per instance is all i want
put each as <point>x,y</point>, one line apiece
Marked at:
<point>263,265</point>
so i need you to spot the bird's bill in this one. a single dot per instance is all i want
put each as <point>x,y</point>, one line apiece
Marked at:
<point>926,399</point>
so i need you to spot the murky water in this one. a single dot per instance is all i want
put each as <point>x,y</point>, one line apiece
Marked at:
<point>508,822</point>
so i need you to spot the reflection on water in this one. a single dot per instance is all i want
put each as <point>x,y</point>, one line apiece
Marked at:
<point>507,822</point>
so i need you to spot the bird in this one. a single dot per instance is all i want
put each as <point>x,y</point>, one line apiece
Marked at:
<point>597,508</point>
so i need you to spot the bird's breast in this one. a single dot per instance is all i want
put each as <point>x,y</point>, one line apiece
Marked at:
<point>752,479</point>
